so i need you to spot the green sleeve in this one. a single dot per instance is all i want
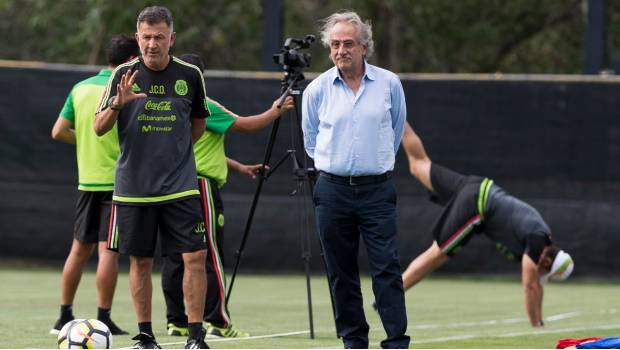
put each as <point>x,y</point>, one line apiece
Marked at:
<point>220,118</point>
<point>67,111</point>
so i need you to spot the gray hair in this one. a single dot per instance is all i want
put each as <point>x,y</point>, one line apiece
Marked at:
<point>155,14</point>
<point>364,29</point>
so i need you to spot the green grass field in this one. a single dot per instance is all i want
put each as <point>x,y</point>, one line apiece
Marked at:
<point>443,313</point>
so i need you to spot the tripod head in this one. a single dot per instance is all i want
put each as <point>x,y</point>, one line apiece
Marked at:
<point>292,60</point>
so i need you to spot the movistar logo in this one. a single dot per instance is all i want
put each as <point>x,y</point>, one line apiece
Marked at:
<point>180,87</point>
<point>158,106</point>
<point>151,128</point>
<point>135,87</point>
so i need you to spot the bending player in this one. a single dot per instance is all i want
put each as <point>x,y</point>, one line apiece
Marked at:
<point>474,205</point>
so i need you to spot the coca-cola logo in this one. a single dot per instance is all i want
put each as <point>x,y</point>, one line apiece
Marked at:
<point>158,106</point>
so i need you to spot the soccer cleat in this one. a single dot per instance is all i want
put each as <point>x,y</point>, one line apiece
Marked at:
<point>114,329</point>
<point>58,325</point>
<point>228,332</point>
<point>177,331</point>
<point>197,343</point>
<point>145,341</point>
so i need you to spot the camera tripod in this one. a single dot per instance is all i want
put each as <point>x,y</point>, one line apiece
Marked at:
<point>304,180</point>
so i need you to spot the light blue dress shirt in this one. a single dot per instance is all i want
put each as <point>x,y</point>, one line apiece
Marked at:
<point>351,134</point>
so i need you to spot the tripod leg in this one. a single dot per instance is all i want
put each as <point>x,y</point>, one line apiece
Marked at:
<point>309,179</point>
<point>302,209</point>
<point>248,224</point>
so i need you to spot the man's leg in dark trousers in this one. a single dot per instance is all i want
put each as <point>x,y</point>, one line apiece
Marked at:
<point>172,286</point>
<point>334,206</point>
<point>377,218</point>
<point>216,311</point>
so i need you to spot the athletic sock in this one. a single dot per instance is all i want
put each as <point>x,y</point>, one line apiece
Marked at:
<point>146,327</point>
<point>195,330</point>
<point>66,312</point>
<point>103,314</point>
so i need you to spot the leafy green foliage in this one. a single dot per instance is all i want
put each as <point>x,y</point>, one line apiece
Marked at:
<point>517,36</point>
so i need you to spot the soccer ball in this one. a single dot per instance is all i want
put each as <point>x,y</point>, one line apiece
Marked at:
<point>85,334</point>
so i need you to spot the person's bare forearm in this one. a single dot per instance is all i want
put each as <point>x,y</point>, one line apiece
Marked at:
<point>65,136</point>
<point>105,120</point>
<point>254,123</point>
<point>412,144</point>
<point>533,304</point>
<point>419,162</point>
<point>63,131</point>
<point>533,290</point>
<point>234,165</point>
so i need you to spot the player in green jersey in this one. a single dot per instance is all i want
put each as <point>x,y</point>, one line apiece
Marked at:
<point>212,167</point>
<point>96,160</point>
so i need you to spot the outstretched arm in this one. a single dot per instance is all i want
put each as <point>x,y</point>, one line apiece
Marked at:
<point>104,120</point>
<point>256,122</point>
<point>533,291</point>
<point>419,162</point>
<point>423,265</point>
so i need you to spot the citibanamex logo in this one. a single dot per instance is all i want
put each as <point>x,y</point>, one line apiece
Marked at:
<point>158,106</point>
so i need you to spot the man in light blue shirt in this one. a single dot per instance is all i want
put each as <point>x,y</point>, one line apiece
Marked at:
<point>353,121</point>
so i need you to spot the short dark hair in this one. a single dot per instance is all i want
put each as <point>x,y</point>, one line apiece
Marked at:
<point>121,48</point>
<point>155,14</point>
<point>194,59</point>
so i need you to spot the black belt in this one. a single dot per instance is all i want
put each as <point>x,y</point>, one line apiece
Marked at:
<point>357,180</point>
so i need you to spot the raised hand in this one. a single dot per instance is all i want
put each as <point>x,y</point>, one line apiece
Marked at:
<point>124,92</point>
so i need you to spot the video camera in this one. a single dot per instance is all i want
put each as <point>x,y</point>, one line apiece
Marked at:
<point>290,58</point>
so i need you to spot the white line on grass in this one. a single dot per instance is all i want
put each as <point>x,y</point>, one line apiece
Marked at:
<point>488,322</point>
<point>516,334</point>
<point>212,340</point>
<point>276,335</point>
<point>483,323</point>
<point>562,316</point>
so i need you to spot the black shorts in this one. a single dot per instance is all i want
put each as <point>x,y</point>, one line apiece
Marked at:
<point>92,216</point>
<point>133,228</point>
<point>462,215</point>
<point>213,213</point>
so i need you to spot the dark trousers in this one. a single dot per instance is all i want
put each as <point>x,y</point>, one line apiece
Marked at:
<point>216,311</point>
<point>344,213</point>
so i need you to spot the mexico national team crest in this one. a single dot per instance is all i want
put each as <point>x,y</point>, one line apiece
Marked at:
<point>180,87</point>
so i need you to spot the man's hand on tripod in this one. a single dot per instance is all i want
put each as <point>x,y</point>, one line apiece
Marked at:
<point>288,103</point>
<point>244,169</point>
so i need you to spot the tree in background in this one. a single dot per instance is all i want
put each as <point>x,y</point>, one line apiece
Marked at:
<point>516,36</point>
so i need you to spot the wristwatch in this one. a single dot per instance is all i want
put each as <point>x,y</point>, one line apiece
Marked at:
<point>112,104</point>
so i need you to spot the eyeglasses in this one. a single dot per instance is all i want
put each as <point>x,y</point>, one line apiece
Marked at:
<point>347,44</point>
